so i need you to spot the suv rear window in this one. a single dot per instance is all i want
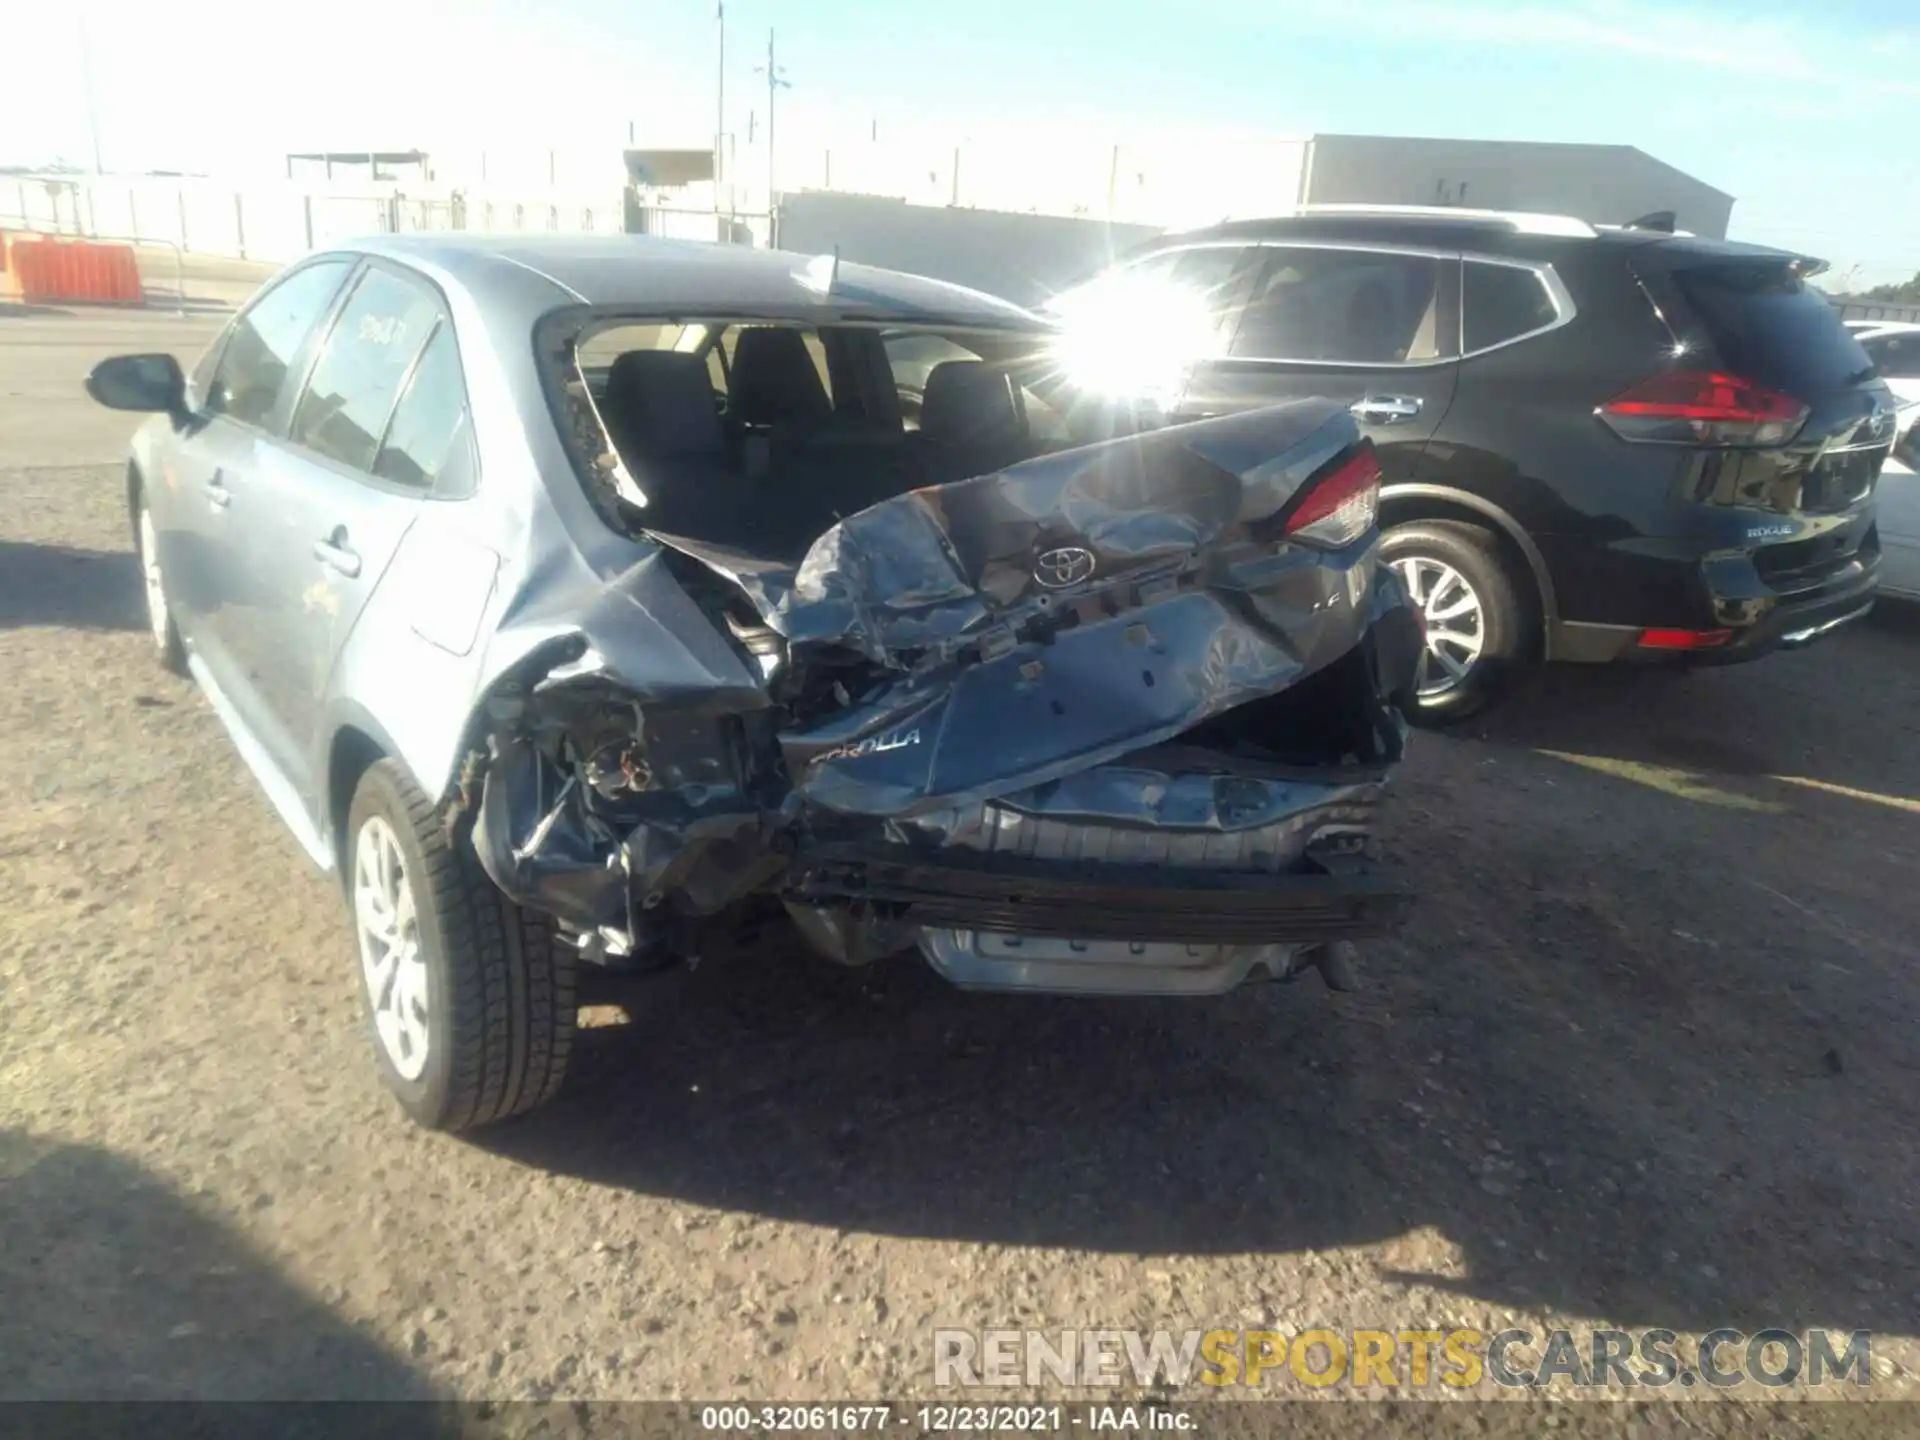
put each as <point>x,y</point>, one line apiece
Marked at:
<point>1771,327</point>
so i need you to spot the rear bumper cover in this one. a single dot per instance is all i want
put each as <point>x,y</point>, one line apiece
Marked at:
<point>1100,902</point>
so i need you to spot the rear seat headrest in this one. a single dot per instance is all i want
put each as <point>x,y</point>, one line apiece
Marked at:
<point>659,403</point>
<point>969,402</point>
<point>773,379</point>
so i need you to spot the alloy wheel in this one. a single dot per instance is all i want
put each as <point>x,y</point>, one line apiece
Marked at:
<point>1456,622</point>
<point>390,957</point>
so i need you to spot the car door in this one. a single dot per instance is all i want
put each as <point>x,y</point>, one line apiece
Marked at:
<point>342,488</point>
<point>1897,513</point>
<point>1896,355</point>
<point>206,540</point>
<point>1375,328</point>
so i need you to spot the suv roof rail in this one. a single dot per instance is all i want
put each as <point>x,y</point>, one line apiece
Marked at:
<point>1522,222</point>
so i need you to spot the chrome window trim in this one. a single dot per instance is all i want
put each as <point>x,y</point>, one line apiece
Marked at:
<point>1564,309</point>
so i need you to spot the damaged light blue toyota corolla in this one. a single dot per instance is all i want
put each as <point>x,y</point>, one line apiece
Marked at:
<point>641,592</point>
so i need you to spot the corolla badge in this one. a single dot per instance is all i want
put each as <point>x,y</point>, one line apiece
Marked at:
<point>1068,565</point>
<point>872,745</point>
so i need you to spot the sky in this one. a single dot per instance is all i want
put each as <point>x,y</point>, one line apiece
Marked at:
<point>1808,113</point>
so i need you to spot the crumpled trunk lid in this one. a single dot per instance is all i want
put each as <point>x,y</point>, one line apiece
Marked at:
<point>1019,626</point>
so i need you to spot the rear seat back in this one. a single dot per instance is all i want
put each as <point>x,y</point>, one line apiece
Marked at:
<point>660,413</point>
<point>972,421</point>
<point>659,404</point>
<point>772,380</point>
<point>838,471</point>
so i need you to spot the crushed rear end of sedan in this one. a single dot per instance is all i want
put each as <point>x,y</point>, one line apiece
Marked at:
<point>930,647</point>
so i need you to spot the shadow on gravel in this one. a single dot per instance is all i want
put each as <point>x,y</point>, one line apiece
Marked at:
<point>1281,1119</point>
<point>117,1289</point>
<point>59,585</point>
<point>1614,1063</point>
<point>1846,711</point>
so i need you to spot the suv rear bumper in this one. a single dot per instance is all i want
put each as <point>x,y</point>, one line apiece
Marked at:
<point>1729,593</point>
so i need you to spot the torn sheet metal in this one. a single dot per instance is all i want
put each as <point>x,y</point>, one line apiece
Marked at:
<point>992,676</point>
<point>1007,645</point>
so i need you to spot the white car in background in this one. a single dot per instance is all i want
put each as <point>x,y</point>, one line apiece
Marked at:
<point>1894,348</point>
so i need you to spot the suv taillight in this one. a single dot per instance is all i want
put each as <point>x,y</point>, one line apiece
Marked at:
<point>1703,407</point>
<point>1341,506</point>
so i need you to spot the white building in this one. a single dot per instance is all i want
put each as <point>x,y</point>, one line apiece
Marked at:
<point>1602,184</point>
<point>1182,180</point>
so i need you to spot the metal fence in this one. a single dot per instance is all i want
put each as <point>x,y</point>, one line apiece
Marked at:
<point>1875,310</point>
<point>278,222</point>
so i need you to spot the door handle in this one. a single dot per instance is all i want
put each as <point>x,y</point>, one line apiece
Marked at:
<point>217,493</point>
<point>1385,409</point>
<point>335,554</point>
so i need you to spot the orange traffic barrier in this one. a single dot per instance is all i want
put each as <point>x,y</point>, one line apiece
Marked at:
<point>9,276</point>
<point>50,269</point>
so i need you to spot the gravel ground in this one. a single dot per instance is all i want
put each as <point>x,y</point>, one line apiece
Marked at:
<point>1644,1057</point>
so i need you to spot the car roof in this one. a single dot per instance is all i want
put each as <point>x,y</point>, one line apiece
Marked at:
<point>647,273</point>
<point>1440,228</point>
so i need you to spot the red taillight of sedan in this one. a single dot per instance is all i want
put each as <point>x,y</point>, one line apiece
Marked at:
<point>1341,506</point>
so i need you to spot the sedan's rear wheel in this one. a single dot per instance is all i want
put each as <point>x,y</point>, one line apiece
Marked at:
<point>470,998</point>
<point>1475,627</point>
<point>167,647</point>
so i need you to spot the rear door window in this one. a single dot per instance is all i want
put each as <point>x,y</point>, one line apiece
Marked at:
<point>1770,326</point>
<point>1356,307</point>
<point>253,364</point>
<point>363,362</point>
<point>429,441</point>
<point>1501,303</point>
<point>1208,271</point>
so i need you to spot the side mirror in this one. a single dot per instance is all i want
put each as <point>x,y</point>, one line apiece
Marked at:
<point>140,382</point>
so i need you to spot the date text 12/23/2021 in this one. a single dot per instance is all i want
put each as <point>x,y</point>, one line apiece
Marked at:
<point>943,1419</point>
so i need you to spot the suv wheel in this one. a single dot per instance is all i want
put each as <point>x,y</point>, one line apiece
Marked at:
<point>470,998</point>
<point>1476,627</point>
<point>167,648</point>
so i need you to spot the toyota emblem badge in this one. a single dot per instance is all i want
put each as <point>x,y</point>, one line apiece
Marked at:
<point>1068,565</point>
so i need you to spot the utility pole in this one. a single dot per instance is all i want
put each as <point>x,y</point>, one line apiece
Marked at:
<point>720,101</point>
<point>93,109</point>
<point>776,82</point>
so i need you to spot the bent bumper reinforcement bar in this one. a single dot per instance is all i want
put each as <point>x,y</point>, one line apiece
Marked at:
<point>1101,902</point>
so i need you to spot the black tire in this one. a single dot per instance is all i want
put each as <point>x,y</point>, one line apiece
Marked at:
<point>500,983</point>
<point>1508,624</point>
<point>168,649</point>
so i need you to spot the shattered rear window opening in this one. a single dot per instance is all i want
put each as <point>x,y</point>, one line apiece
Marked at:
<point>808,423</point>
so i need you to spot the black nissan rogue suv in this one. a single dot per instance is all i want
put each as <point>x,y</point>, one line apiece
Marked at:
<point>1598,443</point>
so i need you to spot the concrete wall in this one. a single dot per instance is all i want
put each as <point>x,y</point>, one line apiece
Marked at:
<point>1602,184</point>
<point>1023,258</point>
